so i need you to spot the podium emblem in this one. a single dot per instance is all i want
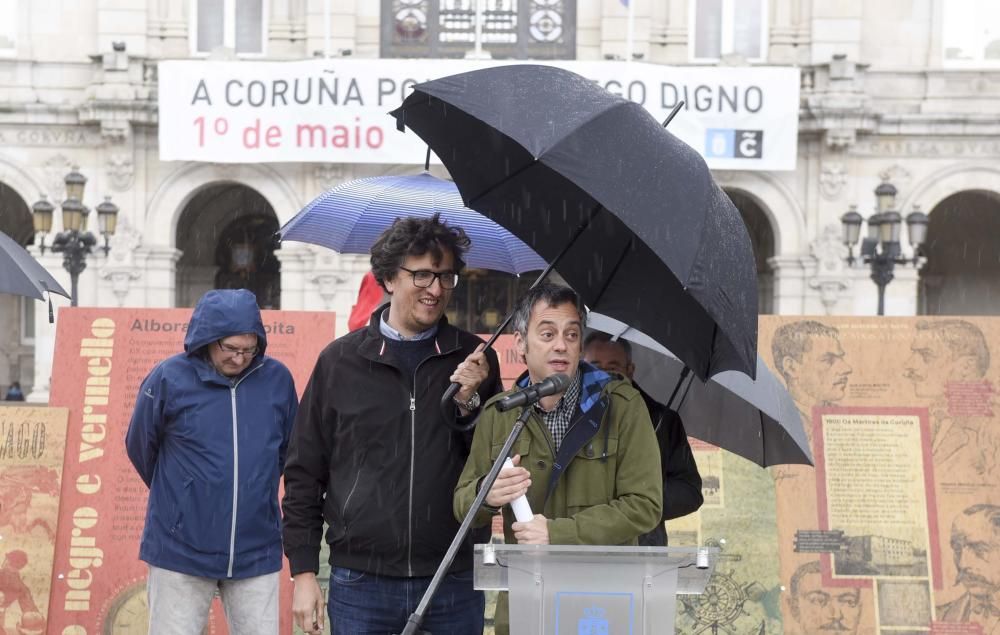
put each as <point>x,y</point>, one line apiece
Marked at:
<point>593,622</point>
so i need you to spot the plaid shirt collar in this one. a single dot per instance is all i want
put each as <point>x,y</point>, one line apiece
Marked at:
<point>559,418</point>
<point>584,392</point>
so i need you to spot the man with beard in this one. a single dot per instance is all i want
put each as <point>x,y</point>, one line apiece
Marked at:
<point>809,356</point>
<point>820,609</point>
<point>975,542</point>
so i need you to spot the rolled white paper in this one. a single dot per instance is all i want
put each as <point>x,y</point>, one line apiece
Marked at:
<point>520,505</point>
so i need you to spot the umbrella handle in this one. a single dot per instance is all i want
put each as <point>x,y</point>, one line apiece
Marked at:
<point>446,399</point>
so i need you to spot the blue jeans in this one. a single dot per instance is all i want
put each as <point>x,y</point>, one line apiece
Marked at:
<point>364,603</point>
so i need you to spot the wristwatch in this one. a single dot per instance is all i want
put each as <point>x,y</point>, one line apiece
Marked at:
<point>471,404</point>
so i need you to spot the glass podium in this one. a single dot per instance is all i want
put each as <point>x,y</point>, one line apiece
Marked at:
<point>587,590</point>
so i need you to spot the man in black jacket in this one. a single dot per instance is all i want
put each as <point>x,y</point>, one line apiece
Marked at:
<point>373,454</point>
<point>681,480</point>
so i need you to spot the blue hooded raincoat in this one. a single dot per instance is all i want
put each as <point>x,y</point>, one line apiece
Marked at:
<point>211,450</point>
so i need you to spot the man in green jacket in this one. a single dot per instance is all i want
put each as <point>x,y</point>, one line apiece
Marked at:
<point>587,459</point>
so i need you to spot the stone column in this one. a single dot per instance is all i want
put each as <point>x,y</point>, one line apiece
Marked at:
<point>901,294</point>
<point>789,280</point>
<point>159,272</point>
<point>614,29</point>
<point>782,33</point>
<point>295,259</point>
<point>45,333</point>
<point>167,26</point>
<point>675,35</point>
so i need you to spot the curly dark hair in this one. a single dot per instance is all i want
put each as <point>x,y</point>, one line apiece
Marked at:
<point>411,236</point>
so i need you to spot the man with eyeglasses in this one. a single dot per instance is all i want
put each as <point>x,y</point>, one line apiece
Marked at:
<point>208,437</point>
<point>374,455</point>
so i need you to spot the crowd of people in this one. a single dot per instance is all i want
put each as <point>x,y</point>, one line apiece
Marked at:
<point>369,452</point>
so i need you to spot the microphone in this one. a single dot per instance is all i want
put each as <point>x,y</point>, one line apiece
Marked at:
<point>548,386</point>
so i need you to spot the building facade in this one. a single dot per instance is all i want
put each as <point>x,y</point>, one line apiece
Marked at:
<point>904,92</point>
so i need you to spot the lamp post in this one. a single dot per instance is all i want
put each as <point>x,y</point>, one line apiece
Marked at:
<point>881,249</point>
<point>75,242</point>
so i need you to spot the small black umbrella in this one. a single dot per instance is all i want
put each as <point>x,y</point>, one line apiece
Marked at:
<point>629,215</point>
<point>21,274</point>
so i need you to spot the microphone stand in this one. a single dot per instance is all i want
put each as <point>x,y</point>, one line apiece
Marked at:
<point>413,623</point>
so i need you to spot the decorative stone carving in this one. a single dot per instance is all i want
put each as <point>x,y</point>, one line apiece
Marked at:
<point>327,274</point>
<point>116,97</point>
<point>835,103</point>
<point>150,74</point>
<point>928,148</point>
<point>114,131</point>
<point>120,268</point>
<point>120,171</point>
<point>897,175</point>
<point>328,175</point>
<point>832,180</point>
<point>808,81</point>
<point>830,278</point>
<point>56,169</point>
<point>326,286</point>
<point>840,139</point>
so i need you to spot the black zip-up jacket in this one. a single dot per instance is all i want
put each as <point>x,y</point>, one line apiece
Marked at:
<point>371,454</point>
<point>681,480</point>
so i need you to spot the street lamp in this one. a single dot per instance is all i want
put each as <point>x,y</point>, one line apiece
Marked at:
<point>880,248</point>
<point>75,242</point>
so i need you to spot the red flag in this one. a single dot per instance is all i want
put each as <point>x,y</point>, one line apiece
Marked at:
<point>369,297</point>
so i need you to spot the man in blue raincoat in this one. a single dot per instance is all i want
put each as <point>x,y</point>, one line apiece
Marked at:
<point>208,437</point>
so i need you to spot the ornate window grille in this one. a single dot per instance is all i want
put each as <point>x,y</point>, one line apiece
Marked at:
<point>511,29</point>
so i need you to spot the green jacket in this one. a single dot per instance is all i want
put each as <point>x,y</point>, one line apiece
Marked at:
<point>611,489</point>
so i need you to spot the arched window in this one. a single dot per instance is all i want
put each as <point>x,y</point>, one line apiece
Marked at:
<point>226,234</point>
<point>962,274</point>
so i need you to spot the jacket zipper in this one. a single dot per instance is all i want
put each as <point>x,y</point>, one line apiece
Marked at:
<point>413,454</point>
<point>236,471</point>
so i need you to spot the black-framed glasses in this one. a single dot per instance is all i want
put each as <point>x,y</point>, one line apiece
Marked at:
<point>232,350</point>
<point>423,278</point>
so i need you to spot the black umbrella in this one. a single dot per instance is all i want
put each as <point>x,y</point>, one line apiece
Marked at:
<point>21,274</point>
<point>629,215</point>
<point>753,418</point>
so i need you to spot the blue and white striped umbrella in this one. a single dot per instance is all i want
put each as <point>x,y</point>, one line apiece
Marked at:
<point>350,217</point>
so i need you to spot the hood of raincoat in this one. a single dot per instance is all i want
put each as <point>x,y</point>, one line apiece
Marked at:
<point>222,313</point>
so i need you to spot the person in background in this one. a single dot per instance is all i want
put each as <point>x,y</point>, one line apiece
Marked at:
<point>681,481</point>
<point>208,437</point>
<point>14,393</point>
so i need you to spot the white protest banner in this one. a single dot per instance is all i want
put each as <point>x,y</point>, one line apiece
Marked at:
<point>335,111</point>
